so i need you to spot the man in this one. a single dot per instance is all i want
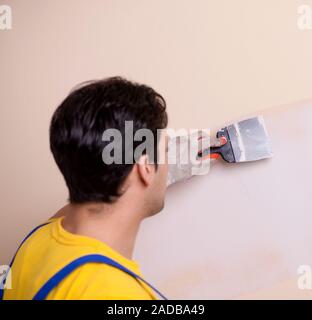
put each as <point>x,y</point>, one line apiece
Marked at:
<point>107,202</point>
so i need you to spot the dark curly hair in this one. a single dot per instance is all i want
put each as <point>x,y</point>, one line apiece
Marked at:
<point>77,127</point>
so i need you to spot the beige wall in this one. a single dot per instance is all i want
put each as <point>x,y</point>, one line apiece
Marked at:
<point>213,60</point>
<point>244,229</point>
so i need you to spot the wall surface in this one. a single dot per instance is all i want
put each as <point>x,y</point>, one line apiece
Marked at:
<point>213,61</point>
<point>241,228</point>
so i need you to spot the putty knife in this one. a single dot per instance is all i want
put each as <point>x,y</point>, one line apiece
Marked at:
<point>246,140</point>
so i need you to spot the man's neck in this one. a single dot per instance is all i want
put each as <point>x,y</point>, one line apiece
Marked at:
<point>115,225</point>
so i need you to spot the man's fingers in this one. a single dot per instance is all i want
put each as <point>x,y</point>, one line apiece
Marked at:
<point>218,142</point>
<point>214,142</point>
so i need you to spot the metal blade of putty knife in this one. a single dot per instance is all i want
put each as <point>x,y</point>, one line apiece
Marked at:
<point>248,140</point>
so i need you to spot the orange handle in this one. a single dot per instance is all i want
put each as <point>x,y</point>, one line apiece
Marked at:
<point>211,156</point>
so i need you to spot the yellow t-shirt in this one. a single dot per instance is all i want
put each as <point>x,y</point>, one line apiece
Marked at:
<point>51,247</point>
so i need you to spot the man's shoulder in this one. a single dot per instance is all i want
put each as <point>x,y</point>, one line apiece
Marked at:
<point>101,281</point>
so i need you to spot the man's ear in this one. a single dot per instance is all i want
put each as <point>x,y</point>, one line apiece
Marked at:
<point>146,170</point>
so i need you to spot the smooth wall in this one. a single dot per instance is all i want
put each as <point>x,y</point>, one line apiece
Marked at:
<point>213,61</point>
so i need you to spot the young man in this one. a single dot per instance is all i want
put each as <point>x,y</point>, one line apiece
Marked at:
<point>85,250</point>
<point>107,202</point>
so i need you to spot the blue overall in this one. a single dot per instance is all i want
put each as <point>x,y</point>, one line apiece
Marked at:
<point>65,271</point>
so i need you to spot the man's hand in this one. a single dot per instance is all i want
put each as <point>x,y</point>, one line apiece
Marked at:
<point>183,155</point>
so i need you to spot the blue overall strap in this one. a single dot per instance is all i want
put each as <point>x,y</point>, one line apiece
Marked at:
<point>63,273</point>
<point>10,265</point>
